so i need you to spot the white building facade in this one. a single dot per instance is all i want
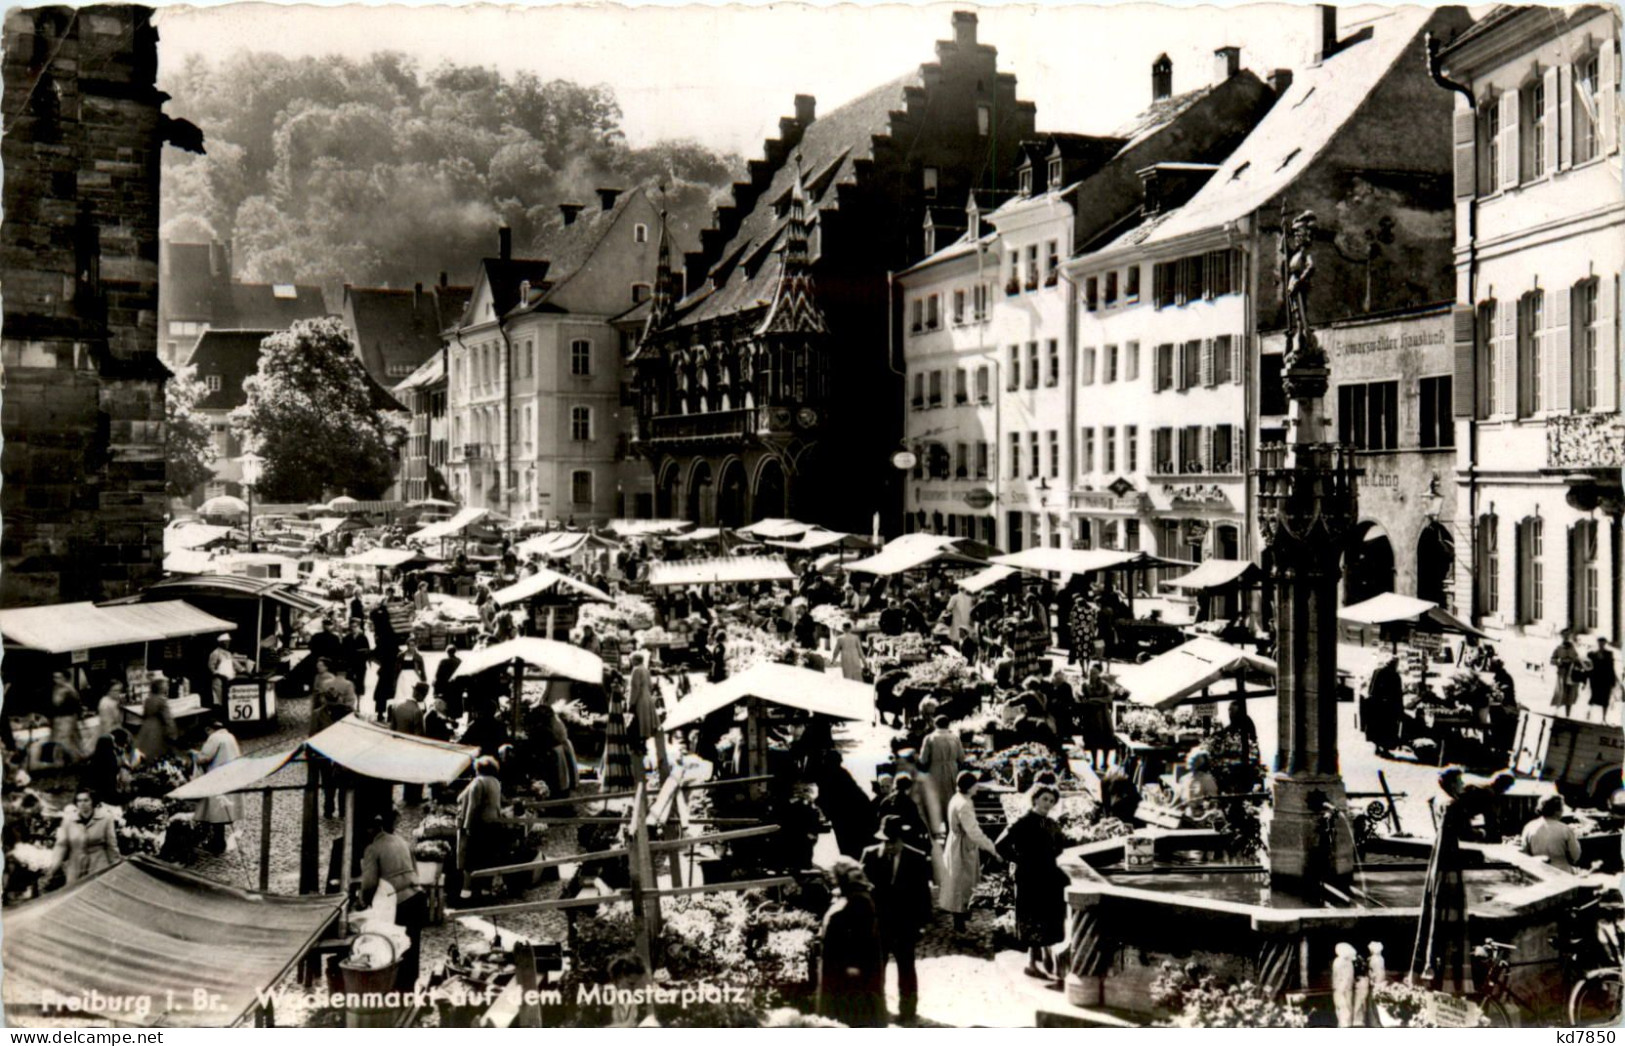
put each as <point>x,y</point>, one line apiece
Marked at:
<point>1540,245</point>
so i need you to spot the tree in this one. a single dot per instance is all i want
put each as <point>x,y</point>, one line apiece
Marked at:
<point>318,420</point>
<point>188,447</point>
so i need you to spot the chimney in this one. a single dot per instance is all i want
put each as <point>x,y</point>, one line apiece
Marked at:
<point>444,278</point>
<point>524,292</point>
<point>965,28</point>
<point>569,211</point>
<point>606,198</point>
<point>1280,80</point>
<point>1162,79</point>
<point>417,296</point>
<point>1226,63</point>
<point>504,243</point>
<point>217,260</point>
<point>1327,16</point>
<point>807,108</point>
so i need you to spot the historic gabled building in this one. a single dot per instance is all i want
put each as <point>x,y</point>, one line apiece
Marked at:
<point>991,321</point>
<point>768,385</point>
<point>396,330</point>
<point>196,292</point>
<point>538,397</point>
<point>1540,245</point>
<point>1173,301</point>
<point>83,494</point>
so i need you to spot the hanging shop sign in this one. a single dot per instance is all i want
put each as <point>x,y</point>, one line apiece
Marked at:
<point>979,498</point>
<point>904,460</point>
<point>1196,495</point>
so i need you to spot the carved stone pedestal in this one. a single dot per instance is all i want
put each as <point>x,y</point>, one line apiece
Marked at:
<point>1296,844</point>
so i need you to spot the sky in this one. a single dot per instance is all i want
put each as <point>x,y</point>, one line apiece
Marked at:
<point>724,75</point>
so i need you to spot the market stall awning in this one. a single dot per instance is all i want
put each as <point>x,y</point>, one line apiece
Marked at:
<point>196,536</point>
<point>700,534</point>
<point>1083,560</point>
<point>377,751</point>
<point>724,570</point>
<point>148,930</point>
<point>911,551</point>
<point>784,685</point>
<point>64,627</point>
<point>555,659</point>
<point>1391,608</point>
<point>243,772</point>
<point>548,582</point>
<point>561,543</point>
<point>172,618</point>
<point>1218,573</point>
<point>818,539</point>
<point>1169,678</point>
<point>189,561</point>
<point>390,558</point>
<point>776,529</point>
<point>453,527</point>
<point>225,585</point>
<point>637,528</point>
<point>986,578</point>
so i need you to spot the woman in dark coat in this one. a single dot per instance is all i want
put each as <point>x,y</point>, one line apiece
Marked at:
<point>852,961</point>
<point>845,806</point>
<point>1032,843</point>
<point>1384,707</point>
<point>1028,640</point>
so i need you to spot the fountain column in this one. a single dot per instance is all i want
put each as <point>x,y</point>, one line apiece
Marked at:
<point>1307,508</point>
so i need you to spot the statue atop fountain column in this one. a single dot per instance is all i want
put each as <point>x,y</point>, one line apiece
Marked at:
<point>1307,508</point>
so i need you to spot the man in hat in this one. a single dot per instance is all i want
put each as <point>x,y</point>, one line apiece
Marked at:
<point>899,872</point>
<point>222,668</point>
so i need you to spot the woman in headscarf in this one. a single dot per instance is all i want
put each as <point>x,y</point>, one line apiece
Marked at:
<point>219,812</point>
<point>852,963</point>
<point>479,831</point>
<point>1033,843</point>
<point>157,732</point>
<point>962,854</point>
<point>87,841</point>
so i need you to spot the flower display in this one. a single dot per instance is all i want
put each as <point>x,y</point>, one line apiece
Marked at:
<point>1198,1000</point>
<point>947,670</point>
<point>432,850</point>
<point>437,826</point>
<point>1147,725</point>
<point>37,859</point>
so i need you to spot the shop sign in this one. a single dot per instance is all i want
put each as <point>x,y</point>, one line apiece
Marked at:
<point>979,498</point>
<point>1196,495</point>
<point>1195,530</point>
<point>243,701</point>
<point>904,460</point>
<point>78,657</point>
<point>1448,1011</point>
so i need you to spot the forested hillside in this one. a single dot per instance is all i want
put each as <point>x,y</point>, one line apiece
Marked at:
<point>372,172</point>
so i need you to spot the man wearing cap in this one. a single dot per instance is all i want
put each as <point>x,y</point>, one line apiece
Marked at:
<point>388,858</point>
<point>899,872</point>
<point>222,668</point>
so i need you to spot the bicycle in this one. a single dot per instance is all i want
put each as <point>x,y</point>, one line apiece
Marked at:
<point>1590,963</point>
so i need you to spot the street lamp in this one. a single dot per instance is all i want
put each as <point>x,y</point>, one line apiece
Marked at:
<point>251,464</point>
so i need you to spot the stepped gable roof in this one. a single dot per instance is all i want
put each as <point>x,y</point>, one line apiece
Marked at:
<point>829,150</point>
<point>396,327</point>
<point>230,355</point>
<point>1320,102</point>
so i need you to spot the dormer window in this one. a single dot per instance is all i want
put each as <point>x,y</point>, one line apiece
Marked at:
<point>1055,174</point>
<point>1026,175</point>
<point>640,233</point>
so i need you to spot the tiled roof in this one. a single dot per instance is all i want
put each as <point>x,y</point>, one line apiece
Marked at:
<point>192,288</point>
<point>230,356</point>
<point>1156,116</point>
<point>1501,13</point>
<point>233,355</point>
<point>1321,100</point>
<point>431,372</point>
<point>829,149</point>
<point>504,277</point>
<point>395,328</point>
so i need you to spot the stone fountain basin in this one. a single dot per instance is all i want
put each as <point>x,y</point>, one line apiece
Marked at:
<point>1195,905</point>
